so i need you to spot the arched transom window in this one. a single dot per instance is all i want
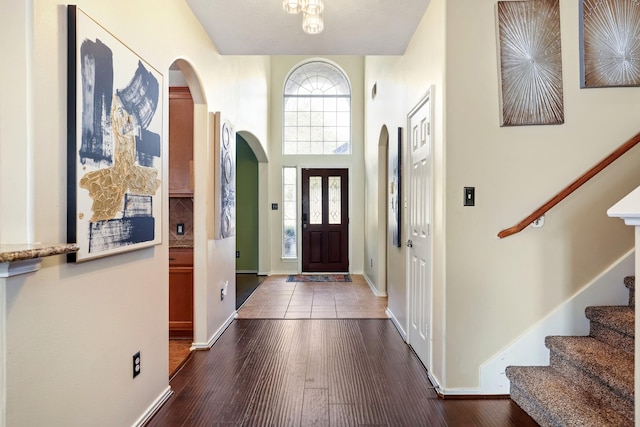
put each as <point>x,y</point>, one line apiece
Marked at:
<point>317,110</point>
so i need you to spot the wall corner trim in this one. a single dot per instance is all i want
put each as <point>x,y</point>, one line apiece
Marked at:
<point>216,335</point>
<point>395,322</point>
<point>155,407</point>
<point>373,287</point>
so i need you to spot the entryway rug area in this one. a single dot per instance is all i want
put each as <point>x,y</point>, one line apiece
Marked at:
<point>319,278</point>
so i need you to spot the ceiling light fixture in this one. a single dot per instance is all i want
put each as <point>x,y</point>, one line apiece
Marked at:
<point>312,22</point>
<point>314,7</point>
<point>293,6</point>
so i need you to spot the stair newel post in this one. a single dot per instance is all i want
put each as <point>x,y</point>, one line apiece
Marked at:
<point>628,209</point>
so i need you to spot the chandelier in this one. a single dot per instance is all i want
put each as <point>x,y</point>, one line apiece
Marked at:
<point>311,13</point>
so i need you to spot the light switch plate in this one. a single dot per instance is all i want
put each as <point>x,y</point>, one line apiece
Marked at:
<point>469,196</point>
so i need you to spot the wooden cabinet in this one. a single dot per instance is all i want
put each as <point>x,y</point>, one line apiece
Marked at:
<point>180,142</point>
<point>180,293</point>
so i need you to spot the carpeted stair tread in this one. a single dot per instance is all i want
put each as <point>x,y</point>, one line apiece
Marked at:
<point>610,366</point>
<point>561,402</point>
<point>590,380</point>
<point>620,318</point>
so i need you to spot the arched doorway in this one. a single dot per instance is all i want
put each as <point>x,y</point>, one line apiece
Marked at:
<point>252,261</point>
<point>186,105</point>
<point>264,260</point>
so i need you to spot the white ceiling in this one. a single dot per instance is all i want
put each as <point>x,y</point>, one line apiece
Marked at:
<point>351,27</point>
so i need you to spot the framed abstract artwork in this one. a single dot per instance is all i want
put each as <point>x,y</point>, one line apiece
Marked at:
<point>609,43</point>
<point>114,143</point>
<point>395,190</point>
<point>530,61</point>
<point>224,152</point>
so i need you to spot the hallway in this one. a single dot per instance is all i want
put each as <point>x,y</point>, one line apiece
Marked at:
<point>344,372</point>
<point>276,298</point>
<point>296,370</point>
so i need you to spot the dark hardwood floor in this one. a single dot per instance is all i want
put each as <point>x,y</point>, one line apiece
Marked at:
<point>347,372</point>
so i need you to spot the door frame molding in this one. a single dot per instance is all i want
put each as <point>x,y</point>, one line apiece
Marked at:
<point>406,157</point>
<point>337,165</point>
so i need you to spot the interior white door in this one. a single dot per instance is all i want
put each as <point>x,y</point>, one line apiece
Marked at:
<point>419,246</point>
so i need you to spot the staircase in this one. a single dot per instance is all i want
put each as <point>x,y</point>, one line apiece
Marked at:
<point>589,381</point>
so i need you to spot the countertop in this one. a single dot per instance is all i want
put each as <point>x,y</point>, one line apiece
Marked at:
<point>21,252</point>
<point>182,244</point>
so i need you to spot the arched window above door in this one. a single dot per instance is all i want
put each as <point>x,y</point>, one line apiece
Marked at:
<point>316,110</point>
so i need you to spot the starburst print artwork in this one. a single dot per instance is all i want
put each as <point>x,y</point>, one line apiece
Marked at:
<point>610,41</point>
<point>530,63</point>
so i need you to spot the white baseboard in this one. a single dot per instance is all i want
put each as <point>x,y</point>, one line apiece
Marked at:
<point>373,287</point>
<point>567,319</point>
<point>435,383</point>
<point>433,380</point>
<point>397,324</point>
<point>155,407</point>
<point>214,338</point>
<point>246,271</point>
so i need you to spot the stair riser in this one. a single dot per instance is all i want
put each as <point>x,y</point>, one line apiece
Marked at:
<point>613,338</point>
<point>571,391</point>
<point>630,283</point>
<point>615,399</point>
<point>531,408</point>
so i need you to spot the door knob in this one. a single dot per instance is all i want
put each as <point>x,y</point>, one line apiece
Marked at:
<point>410,243</point>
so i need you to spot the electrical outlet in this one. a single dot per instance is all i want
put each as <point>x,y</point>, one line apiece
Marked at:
<point>237,254</point>
<point>223,290</point>
<point>136,365</point>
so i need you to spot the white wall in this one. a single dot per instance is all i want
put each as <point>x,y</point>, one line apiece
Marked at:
<point>488,291</point>
<point>76,327</point>
<point>353,66</point>
<point>401,83</point>
<point>15,115</point>
<point>496,289</point>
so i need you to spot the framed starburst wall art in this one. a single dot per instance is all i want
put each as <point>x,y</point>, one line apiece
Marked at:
<point>530,61</point>
<point>609,43</point>
<point>114,148</point>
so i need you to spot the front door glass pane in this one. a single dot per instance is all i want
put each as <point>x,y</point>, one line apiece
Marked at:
<point>335,201</point>
<point>315,200</point>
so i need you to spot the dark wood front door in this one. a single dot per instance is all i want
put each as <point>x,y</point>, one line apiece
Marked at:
<point>325,220</point>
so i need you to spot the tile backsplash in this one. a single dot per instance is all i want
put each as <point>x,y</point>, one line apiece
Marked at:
<point>180,212</point>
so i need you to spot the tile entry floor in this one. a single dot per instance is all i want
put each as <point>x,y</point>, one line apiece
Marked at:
<point>276,298</point>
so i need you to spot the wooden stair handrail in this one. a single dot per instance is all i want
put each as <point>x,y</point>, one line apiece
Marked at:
<point>571,187</point>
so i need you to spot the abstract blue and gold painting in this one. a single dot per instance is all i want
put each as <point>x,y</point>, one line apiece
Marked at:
<point>114,156</point>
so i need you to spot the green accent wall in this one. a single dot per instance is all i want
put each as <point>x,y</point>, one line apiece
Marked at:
<point>246,207</point>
